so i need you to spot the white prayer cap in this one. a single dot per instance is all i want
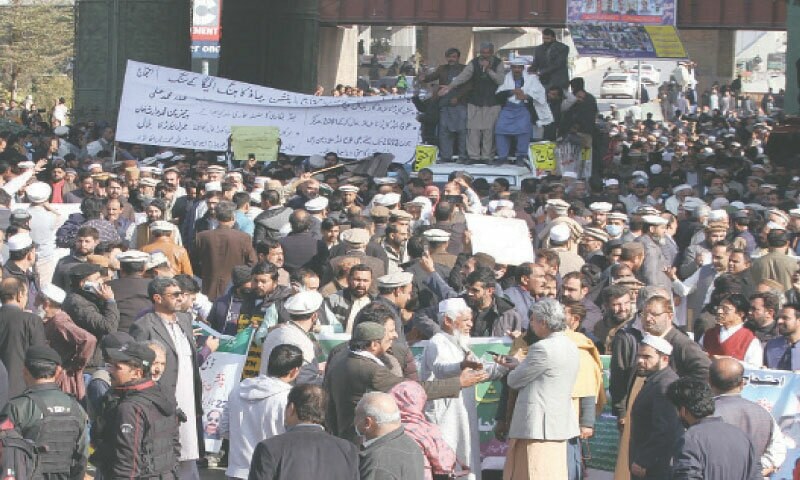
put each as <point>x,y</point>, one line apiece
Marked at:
<point>769,186</point>
<point>355,236</point>
<point>601,207</point>
<point>659,344</point>
<point>720,202</point>
<point>316,204</point>
<point>611,182</point>
<point>667,157</point>
<point>385,181</point>
<point>61,130</point>
<point>161,226</point>
<point>303,303</point>
<point>654,220</point>
<point>518,62</point>
<point>681,187</point>
<point>91,167</point>
<point>770,226</point>
<point>165,155</point>
<point>156,259</point>
<point>436,235</point>
<point>213,187</point>
<point>717,215</point>
<point>234,174</point>
<point>27,165</point>
<point>348,189</point>
<point>795,212</point>
<point>655,169</point>
<point>692,203</point>
<point>255,196</point>
<point>38,192</point>
<point>388,199</point>
<point>148,182</point>
<point>639,173</point>
<point>133,256</point>
<point>560,233</point>
<point>18,242</point>
<point>216,168</point>
<point>52,292</point>
<point>452,307</point>
<point>260,181</point>
<point>569,175</point>
<point>394,280</point>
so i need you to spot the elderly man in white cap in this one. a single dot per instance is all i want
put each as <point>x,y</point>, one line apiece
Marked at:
<point>561,242</point>
<point>44,222</point>
<point>74,344</point>
<point>20,265</point>
<point>655,426</point>
<point>447,353</point>
<point>522,95</point>
<point>557,213</point>
<point>653,269</point>
<point>304,311</point>
<point>317,209</point>
<point>679,195</point>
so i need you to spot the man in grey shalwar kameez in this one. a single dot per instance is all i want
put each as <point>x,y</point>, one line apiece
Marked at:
<point>452,109</point>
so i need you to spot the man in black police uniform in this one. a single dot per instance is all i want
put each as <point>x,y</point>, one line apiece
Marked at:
<point>54,421</point>
<point>136,435</point>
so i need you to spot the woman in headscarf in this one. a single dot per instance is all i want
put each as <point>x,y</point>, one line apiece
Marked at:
<point>440,459</point>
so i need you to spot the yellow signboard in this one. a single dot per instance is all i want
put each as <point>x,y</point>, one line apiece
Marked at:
<point>425,156</point>
<point>666,41</point>
<point>544,156</point>
<point>263,142</point>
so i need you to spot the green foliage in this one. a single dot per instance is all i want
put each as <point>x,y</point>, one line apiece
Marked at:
<point>37,39</point>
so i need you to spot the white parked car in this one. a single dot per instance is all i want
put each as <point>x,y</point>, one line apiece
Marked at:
<point>619,85</point>
<point>650,74</point>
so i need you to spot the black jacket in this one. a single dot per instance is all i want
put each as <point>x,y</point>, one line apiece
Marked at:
<point>655,426</point>
<point>713,450</point>
<point>137,435</point>
<point>304,452</point>
<point>131,296</point>
<point>18,331</point>
<point>269,222</point>
<point>96,316</point>
<point>302,250</point>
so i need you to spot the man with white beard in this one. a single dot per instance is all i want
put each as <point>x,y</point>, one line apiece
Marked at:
<point>445,356</point>
<point>652,271</point>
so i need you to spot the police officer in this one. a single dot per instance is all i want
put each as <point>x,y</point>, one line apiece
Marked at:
<point>54,421</point>
<point>136,435</point>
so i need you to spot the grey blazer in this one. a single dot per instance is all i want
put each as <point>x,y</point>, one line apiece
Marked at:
<point>545,380</point>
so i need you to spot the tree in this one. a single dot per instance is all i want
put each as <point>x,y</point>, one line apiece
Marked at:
<point>37,39</point>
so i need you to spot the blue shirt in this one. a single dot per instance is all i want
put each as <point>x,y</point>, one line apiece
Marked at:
<point>244,223</point>
<point>775,350</point>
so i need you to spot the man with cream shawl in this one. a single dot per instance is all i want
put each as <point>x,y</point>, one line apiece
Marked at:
<point>521,95</point>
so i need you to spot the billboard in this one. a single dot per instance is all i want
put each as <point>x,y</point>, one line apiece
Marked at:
<point>625,28</point>
<point>206,30</point>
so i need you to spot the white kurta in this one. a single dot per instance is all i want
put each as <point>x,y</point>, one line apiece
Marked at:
<point>184,393</point>
<point>457,417</point>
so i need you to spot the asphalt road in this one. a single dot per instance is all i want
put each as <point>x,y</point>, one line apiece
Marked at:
<point>594,78</point>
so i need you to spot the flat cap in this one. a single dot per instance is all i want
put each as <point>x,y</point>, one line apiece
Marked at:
<point>348,189</point>
<point>136,351</point>
<point>304,303</point>
<point>355,236</point>
<point>398,214</point>
<point>148,182</point>
<point>369,332</point>
<point>601,207</point>
<point>394,280</point>
<point>42,353</point>
<point>379,212</point>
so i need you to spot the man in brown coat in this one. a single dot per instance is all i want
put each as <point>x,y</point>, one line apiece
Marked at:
<point>350,375</point>
<point>216,252</point>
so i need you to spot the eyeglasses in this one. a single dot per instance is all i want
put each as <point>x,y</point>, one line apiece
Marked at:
<point>726,309</point>
<point>174,294</point>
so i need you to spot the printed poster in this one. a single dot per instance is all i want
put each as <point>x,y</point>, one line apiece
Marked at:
<point>221,371</point>
<point>263,142</point>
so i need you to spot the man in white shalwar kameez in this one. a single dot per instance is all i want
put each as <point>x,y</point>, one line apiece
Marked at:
<point>445,356</point>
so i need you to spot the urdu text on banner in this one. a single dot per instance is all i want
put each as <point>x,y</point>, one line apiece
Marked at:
<point>181,109</point>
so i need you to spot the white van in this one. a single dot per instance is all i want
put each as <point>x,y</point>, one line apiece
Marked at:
<point>515,174</point>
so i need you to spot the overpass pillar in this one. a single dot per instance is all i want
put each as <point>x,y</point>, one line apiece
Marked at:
<point>108,33</point>
<point>714,53</point>
<point>338,57</point>
<point>792,59</point>
<point>271,42</point>
<point>439,39</point>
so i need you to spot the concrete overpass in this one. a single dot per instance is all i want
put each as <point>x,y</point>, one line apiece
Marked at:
<point>280,43</point>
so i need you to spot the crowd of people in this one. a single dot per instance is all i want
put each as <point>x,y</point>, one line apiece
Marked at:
<point>678,258</point>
